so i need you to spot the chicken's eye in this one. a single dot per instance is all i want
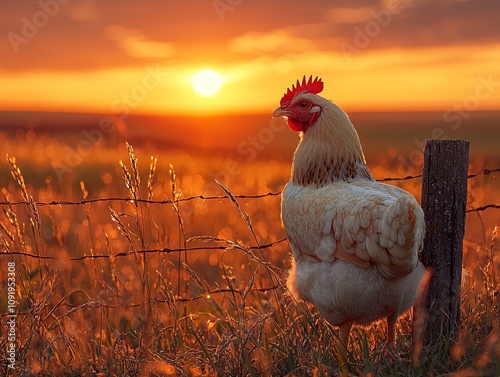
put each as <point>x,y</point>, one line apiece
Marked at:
<point>304,104</point>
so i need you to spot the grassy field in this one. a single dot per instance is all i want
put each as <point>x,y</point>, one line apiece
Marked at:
<point>169,283</point>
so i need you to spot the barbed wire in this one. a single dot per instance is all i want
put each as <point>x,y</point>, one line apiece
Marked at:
<point>181,299</point>
<point>395,179</point>
<point>148,251</point>
<point>483,172</point>
<point>200,197</point>
<point>484,208</point>
<point>208,293</point>
<point>209,197</point>
<point>470,176</point>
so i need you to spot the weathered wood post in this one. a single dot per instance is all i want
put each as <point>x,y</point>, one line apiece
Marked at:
<point>444,195</point>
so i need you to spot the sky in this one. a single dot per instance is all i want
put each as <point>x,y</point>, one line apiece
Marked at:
<point>139,57</point>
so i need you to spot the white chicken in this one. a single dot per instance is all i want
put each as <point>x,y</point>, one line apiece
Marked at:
<point>355,242</point>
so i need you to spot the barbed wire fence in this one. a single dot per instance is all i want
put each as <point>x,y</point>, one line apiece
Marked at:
<point>167,250</point>
<point>197,197</point>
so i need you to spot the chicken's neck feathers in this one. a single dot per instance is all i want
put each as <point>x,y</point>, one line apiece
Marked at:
<point>330,151</point>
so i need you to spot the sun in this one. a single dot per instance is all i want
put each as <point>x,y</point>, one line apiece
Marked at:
<point>207,82</point>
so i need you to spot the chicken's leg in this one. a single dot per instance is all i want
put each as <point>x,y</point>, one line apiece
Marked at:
<point>344,332</point>
<point>391,331</point>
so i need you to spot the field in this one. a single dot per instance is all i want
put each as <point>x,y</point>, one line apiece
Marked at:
<point>130,260</point>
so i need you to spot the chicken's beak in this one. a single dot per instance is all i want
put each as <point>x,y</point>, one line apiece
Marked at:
<point>279,112</point>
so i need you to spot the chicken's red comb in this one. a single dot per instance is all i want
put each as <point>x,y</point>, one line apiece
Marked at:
<point>310,86</point>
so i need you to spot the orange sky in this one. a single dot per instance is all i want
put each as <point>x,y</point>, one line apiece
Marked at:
<point>139,57</point>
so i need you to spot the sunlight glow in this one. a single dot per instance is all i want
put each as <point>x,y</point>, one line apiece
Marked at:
<point>207,82</point>
<point>387,79</point>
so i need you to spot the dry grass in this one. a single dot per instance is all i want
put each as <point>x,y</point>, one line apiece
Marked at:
<point>191,288</point>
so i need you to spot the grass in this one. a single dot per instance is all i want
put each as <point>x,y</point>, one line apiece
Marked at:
<point>196,287</point>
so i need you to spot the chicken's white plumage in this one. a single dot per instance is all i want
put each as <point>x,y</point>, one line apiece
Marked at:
<point>355,247</point>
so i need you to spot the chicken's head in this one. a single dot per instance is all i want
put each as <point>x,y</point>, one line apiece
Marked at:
<point>299,106</point>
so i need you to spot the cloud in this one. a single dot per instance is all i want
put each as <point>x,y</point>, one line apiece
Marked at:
<point>276,40</point>
<point>85,11</point>
<point>135,44</point>
<point>136,35</point>
<point>349,15</point>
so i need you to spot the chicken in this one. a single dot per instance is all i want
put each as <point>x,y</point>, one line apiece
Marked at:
<point>355,242</point>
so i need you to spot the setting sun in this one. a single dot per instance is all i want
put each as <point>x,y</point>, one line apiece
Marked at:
<point>207,82</point>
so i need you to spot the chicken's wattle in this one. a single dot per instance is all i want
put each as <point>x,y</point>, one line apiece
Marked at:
<point>297,125</point>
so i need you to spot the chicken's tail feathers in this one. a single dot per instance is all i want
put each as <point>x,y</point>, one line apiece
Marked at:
<point>403,229</point>
<point>417,229</point>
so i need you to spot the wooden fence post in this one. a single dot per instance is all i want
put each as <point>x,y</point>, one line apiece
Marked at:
<point>444,195</point>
